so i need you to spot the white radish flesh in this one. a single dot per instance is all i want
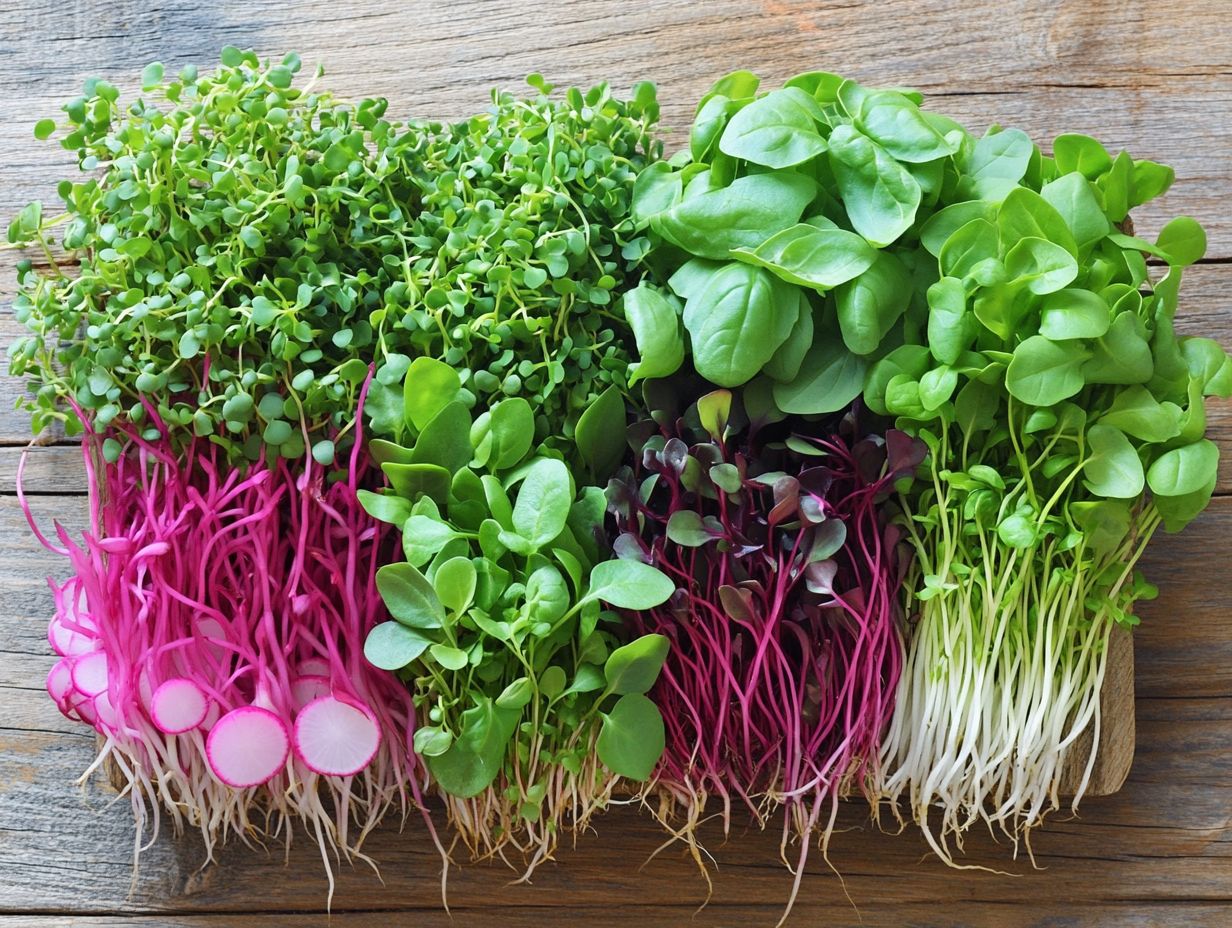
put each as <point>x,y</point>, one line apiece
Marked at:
<point>60,684</point>
<point>336,737</point>
<point>106,720</point>
<point>313,667</point>
<point>305,689</point>
<point>68,642</point>
<point>82,707</point>
<point>178,705</point>
<point>247,747</point>
<point>90,672</point>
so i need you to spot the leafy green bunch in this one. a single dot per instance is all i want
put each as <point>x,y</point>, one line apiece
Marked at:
<point>520,246</point>
<point>228,246</point>
<point>1047,354</point>
<point>829,240</point>
<point>785,229</point>
<point>499,622</point>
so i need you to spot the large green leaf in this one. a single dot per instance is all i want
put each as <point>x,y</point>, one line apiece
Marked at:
<point>631,737</point>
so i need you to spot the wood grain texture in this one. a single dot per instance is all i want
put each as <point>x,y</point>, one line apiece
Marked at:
<point>1153,78</point>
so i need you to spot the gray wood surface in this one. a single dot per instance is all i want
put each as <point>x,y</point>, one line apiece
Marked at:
<point>1154,78</point>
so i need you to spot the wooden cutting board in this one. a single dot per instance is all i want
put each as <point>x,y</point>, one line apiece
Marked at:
<point>1115,747</point>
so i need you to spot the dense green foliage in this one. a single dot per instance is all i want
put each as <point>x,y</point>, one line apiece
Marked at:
<point>291,241</point>
<point>519,246</point>
<point>497,612</point>
<point>248,258</point>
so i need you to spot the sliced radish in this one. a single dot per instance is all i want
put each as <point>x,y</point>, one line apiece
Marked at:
<point>314,667</point>
<point>83,708</point>
<point>69,643</point>
<point>178,705</point>
<point>60,684</point>
<point>336,737</point>
<point>305,689</point>
<point>247,747</point>
<point>105,717</point>
<point>90,672</point>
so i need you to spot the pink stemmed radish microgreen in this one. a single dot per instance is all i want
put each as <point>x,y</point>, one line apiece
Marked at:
<point>200,597</point>
<point>785,637</point>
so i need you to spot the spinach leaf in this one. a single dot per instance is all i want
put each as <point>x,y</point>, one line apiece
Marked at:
<point>741,215</point>
<point>778,130</point>
<point>880,195</point>
<point>812,257</point>
<point>737,322</point>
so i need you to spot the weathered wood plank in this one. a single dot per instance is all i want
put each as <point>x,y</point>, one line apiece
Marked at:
<point>1167,836</point>
<point>953,914</point>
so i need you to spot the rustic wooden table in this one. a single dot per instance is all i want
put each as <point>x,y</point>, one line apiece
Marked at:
<point>1155,78</point>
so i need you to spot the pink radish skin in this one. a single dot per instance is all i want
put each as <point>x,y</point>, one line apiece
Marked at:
<point>60,686</point>
<point>305,689</point>
<point>336,737</point>
<point>90,672</point>
<point>247,747</point>
<point>83,708</point>
<point>178,705</point>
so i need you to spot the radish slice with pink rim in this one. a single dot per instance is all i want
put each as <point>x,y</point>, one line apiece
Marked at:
<point>305,689</point>
<point>106,719</point>
<point>247,747</point>
<point>178,705</point>
<point>336,737</point>
<point>90,672</point>
<point>60,683</point>
<point>313,667</point>
<point>67,642</point>
<point>83,707</point>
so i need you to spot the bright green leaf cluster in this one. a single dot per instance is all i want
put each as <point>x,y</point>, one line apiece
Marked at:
<point>781,230</point>
<point>519,245</point>
<point>498,619</point>
<point>228,235</point>
<point>249,248</point>
<point>826,241</point>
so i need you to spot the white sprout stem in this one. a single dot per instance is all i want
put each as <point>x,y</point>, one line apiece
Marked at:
<point>1002,678</point>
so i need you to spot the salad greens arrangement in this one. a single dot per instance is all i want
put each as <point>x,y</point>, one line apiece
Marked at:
<point>504,461</point>
<point>516,244</point>
<point>528,697</point>
<point>831,243</point>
